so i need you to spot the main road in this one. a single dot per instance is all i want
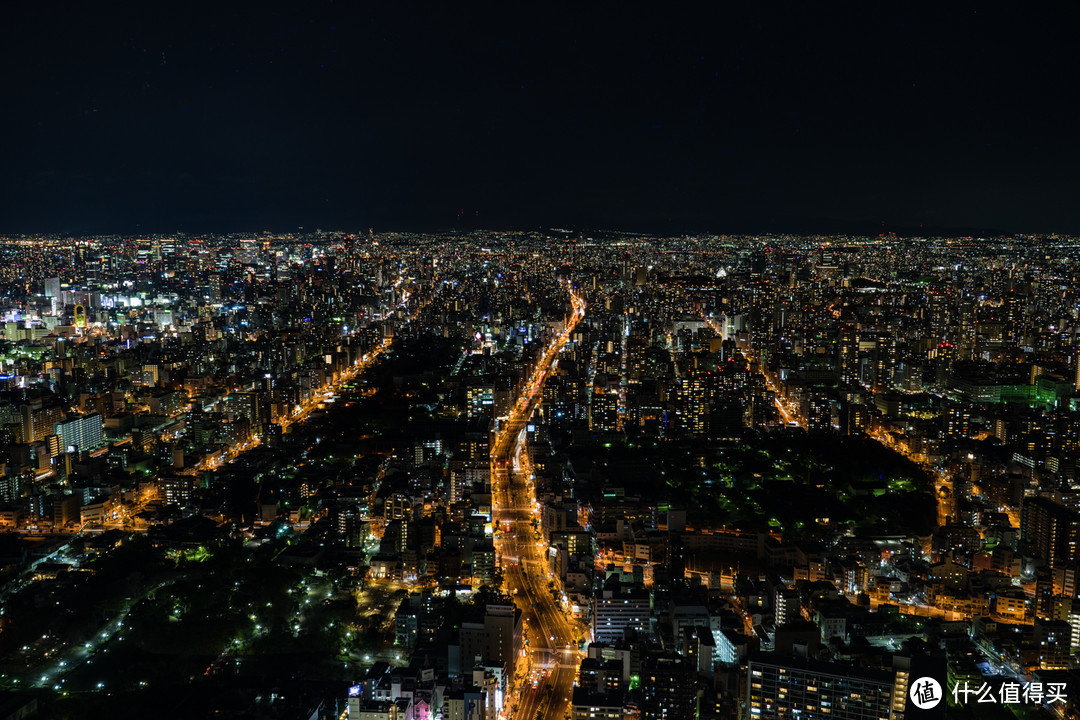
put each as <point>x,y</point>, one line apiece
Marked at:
<point>319,396</point>
<point>550,631</point>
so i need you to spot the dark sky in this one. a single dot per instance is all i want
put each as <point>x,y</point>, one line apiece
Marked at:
<point>813,116</point>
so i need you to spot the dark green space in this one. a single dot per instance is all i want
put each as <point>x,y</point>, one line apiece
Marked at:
<point>781,481</point>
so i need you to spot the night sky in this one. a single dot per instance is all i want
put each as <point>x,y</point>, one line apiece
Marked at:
<point>817,117</point>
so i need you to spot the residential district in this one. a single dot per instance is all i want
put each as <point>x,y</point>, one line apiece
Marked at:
<point>538,475</point>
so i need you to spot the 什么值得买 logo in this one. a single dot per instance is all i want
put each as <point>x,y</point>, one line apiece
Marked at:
<point>925,693</point>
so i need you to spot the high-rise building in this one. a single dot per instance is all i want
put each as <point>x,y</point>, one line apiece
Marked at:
<point>957,420</point>
<point>854,418</point>
<point>1052,530</point>
<point>786,687</point>
<point>480,400</point>
<point>176,489</point>
<point>944,359</point>
<point>65,510</point>
<point>885,357</point>
<point>787,605</point>
<point>397,507</point>
<point>604,405</point>
<point>590,704</point>
<point>463,704</point>
<point>52,287</point>
<point>818,413</point>
<point>460,486</point>
<point>10,488</point>
<point>849,354</point>
<point>484,563</point>
<point>692,404</point>
<point>939,315</point>
<point>82,433</point>
<point>497,638</point>
<point>40,421</point>
<point>1013,315</point>
<point>215,288</point>
<point>667,687</point>
<point>1053,638</point>
<point>614,611</point>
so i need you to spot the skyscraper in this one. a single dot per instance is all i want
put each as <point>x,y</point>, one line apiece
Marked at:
<point>693,404</point>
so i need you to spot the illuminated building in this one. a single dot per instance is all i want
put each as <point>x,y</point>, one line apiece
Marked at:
<point>497,638</point>
<point>480,400</point>
<point>667,688</point>
<point>784,687</point>
<point>1052,530</point>
<point>818,413</point>
<point>692,404</point>
<point>604,407</point>
<point>588,704</point>
<point>849,354</point>
<point>613,612</point>
<point>39,421</point>
<point>82,433</point>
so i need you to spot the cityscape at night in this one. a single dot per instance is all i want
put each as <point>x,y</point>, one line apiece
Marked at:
<point>386,361</point>
<point>535,474</point>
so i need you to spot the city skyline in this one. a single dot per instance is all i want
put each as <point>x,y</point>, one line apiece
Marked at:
<point>531,474</point>
<point>394,361</point>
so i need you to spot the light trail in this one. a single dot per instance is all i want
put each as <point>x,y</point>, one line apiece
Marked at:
<point>551,630</point>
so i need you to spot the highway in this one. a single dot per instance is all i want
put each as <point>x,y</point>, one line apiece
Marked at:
<point>549,629</point>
